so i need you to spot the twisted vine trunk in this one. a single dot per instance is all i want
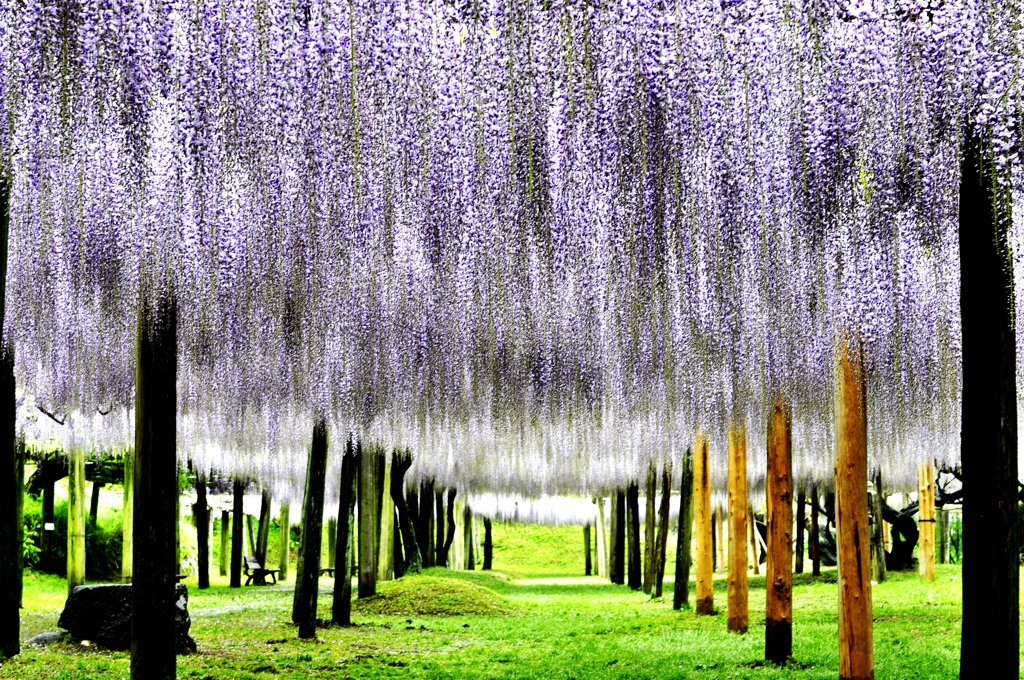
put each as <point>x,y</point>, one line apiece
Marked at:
<point>681,589</point>
<point>307,586</point>
<point>341,610</point>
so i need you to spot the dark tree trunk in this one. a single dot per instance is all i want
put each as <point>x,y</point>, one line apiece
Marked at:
<point>681,592</point>
<point>263,530</point>
<point>307,582</point>
<point>253,550</point>
<point>94,502</point>
<point>663,512</point>
<point>488,545</point>
<point>467,535</point>
<point>903,529</point>
<point>412,501</point>
<point>201,512</point>
<point>441,558</point>
<point>990,635</point>
<point>801,503</point>
<point>10,549</point>
<point>813,538</point>
<point>877,543</point>
<point>633,535</point>
<point>156,491</point>
<point>400,464</point>
<point>237,512</point>
<point>618,560</point>
<point>369,518</point>
<point>380,468</point>
<point>450,536</point>
<point>588,565</point>
<point>341,611</point>
<point>396,546</point>
<point>19,451</point>
<point>426,529</point>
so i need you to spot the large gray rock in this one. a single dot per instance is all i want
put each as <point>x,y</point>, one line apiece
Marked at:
<point>103,614</point>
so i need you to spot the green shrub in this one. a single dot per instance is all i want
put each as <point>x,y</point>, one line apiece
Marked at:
<point>103,541</point>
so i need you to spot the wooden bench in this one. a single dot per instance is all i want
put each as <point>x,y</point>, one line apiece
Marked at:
<point>256,573</point>
<point>327,570</point>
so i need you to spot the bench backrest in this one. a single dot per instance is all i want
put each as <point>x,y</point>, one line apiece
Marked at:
<point>251,563</point>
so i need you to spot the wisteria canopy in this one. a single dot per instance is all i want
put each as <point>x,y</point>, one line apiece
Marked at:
<point>539,244</point>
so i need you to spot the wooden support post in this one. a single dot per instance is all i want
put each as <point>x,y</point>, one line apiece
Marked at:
<point>386,531</point>
<point>752,533</point>
<point>942,535</point>
<point>425,535</point>
<point>737,583</point>
<point>331,530</point>
<point>778,641</point>
<point>662,540</point>
<point>602,558</point>
<point>284,541</point>
<point>237,513</point>
<point>703,526</point>
<point>926,520</point>
<point>618,568</point>
<point>450,532</point>
<point>252,536</point>
<point>588,566</point>
<point>201,512</point>
<point>856,645</point>
<point>813,537</point>
<point>225,549</point>
<point>877,538</point>
<point>127,513</point>
<point>990,632</point>
<point>368,520</point>
<point>681,587</point>
<point>801,520</point>
<point>633,534</point>
<point>720,561</point>
<point>10,549</point>
<point>650,545</point>
<point>19,494</point>
<point>76,519</point>
<point>488,545</point>
<point>156,490</point>
<point>307,583</point>
<point>341,610</point>
<point>440,554</point>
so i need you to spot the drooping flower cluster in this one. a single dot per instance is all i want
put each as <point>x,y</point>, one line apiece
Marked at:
<point>539,244</point>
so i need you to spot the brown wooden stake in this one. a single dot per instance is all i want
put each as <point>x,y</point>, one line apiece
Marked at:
<point>801,509</point>
<point>877,539</point>
<point>681,590</point>
<point>650,545</point>
<point>737,583</point>
<point>662,541</point>
<point>926,520</point>
<point>856,644</point>
<point>720,534</point>
<point>812,536</point>
<point>778,640</point>
<point>702,520</point>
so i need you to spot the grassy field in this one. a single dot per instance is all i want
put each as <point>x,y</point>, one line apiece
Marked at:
<point>533,617</point>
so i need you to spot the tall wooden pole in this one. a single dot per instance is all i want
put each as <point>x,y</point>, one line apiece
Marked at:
<point>76,519</point>
<point>488,545</point>
<point>650,521</point>
<point>990,634</point>
<point>856,645</point>
<point>588,565</point>
<point>801,519</point>
<point>877,532</point>
<point>737,583</point>
<point>702,520</point>
<point>926,520</point>
<point>720,558</point>
<point>752,534</point>
<point>285,541</point>
<point>368,520</point>
<point>127,513</point>
<point>618,568</point>
<point>307,586</point>
<point>602,557</point>
<point>778,641</point>
<point>156,490</point>
<point>681,589</point>
<point>10,547</point>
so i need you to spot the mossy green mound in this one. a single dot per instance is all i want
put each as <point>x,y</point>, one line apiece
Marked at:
<point>433,596</point>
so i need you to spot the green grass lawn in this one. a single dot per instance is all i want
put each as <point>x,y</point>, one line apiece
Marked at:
<point>525,620</point>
